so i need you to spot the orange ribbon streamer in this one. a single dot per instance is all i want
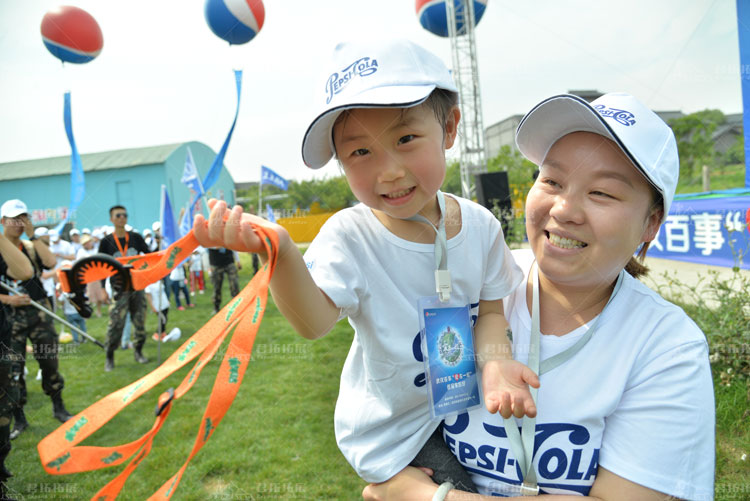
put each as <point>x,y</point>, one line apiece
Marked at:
<point>239,319</point>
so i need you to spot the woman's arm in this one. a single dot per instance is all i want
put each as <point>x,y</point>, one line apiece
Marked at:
<point>412,484</point>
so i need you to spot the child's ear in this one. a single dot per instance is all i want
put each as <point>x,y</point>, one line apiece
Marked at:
<point>451,126</point>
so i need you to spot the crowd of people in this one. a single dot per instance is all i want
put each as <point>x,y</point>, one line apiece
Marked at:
<point>29,261</point>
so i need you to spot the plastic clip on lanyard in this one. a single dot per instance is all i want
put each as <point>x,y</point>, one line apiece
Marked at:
<point>523,444</point>
<point>442,275</point>
<point>239,319</point>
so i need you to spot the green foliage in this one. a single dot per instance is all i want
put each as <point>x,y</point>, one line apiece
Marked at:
<point>331,193</point>
<point>736,153</point>
<point>520,170</point>
<point>452,182</point>
<point>695,144</point>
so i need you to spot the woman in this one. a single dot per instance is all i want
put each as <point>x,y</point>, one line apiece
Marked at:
<point>625,405</point>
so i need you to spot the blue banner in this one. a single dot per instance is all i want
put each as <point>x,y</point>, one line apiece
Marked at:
<point>190,176</point>
<point>743,33</point>
<point>168,226</point>
<point>213,172</point>
<point>269,214</point>
<point>77,184</point>
<point>268,176</point>
<point>711,231</point>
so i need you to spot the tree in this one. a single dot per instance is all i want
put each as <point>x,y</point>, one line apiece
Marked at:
<point>695,142</point>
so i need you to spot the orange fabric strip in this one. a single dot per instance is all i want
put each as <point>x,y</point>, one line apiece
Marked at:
<point>239,320</point>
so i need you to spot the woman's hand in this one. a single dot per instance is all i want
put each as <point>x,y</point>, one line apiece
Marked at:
<point>411,484</point>
<point>506,388</point>
<point>233,229</point>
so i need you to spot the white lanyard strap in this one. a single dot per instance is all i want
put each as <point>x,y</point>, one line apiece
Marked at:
<point>442,275</point>
<point>523,444</point>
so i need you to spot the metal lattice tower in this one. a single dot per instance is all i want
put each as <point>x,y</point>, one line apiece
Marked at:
<point>466,75</point>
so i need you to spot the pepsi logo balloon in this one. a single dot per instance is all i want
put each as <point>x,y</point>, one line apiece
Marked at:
<point>433,18</point>
<point>236,21</point>
<point>72,34</point>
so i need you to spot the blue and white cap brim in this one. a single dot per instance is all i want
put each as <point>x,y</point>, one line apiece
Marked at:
<point>653,153</point>
<point>317,146</point>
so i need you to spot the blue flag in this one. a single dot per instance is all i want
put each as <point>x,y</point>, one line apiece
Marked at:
<point>190,175</point>
<point>186,223</point>
<point>268,176</point>
<point>269,214</point>
<point>166,216</point>
<point>743,33</point>
<point>77,185</point>
<point>213,172</point>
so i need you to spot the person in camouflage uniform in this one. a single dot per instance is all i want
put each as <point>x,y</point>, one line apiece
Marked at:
<point>222,262</point>
<point>27,321</point>
<point>13,264</point>
<point>125,243</point>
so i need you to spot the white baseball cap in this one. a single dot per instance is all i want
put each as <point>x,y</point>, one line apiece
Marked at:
<point>86,231</point>
<point>13,208</point>
<point>639,132</point>
<point>156,226</point>
<point>74,232</point>
<point>41,231</point>
<point>54,235</point>
<point>374,74</point>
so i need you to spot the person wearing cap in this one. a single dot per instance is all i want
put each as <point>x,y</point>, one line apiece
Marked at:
<point>388,112</point>
<point>13,266</point>
<point>28,322</point>
<point>626,411</point>
<point>124,243</point>
<point>75,240</point>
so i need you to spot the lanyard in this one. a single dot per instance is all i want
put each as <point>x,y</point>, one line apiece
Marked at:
<point>523,444</point>
<point>119,247</point>
<point>442,275</point>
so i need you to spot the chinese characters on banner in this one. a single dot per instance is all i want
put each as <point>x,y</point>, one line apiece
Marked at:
<point>709,231</point>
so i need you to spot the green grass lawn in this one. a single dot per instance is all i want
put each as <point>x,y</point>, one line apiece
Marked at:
<point>724,178</point>
<point>277,439</point>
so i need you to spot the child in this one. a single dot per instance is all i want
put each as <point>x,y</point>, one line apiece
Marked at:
<point>177,282</point>
<point>196,271</point>
<point>159,304</point>
<point>71,313</point>
<point>389,113</point>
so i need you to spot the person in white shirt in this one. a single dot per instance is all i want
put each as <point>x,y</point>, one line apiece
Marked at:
<point>158,302</point>
<point>389,121</point>
<point>626,403</point>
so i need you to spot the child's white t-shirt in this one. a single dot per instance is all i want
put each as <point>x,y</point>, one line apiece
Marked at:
<point>196,262</point>
<point>158,295</point>
<point>382,418</point>
<point>177,274</point>
<point>637,400</point>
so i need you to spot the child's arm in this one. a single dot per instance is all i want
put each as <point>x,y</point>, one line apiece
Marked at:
<point>504,381</point>
<point>150,303</point>
<point>305,306</point>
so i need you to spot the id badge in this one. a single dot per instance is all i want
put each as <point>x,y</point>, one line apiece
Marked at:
<point>450,364</point>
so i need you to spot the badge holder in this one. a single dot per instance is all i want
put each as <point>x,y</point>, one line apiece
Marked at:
<point>450,364</point>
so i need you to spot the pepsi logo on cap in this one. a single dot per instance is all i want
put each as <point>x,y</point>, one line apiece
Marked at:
<point>236,21</point>
<point>433,18</point>
<point>72,34</point>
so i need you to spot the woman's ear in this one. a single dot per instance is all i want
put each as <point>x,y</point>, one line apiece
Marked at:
<point>451,126</point>
<point>653,223</point>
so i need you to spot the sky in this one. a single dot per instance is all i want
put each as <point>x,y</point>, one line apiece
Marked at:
<point>163,77</point>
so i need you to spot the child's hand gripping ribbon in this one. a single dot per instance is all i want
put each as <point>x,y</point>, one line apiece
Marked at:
<point>241,318</point>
